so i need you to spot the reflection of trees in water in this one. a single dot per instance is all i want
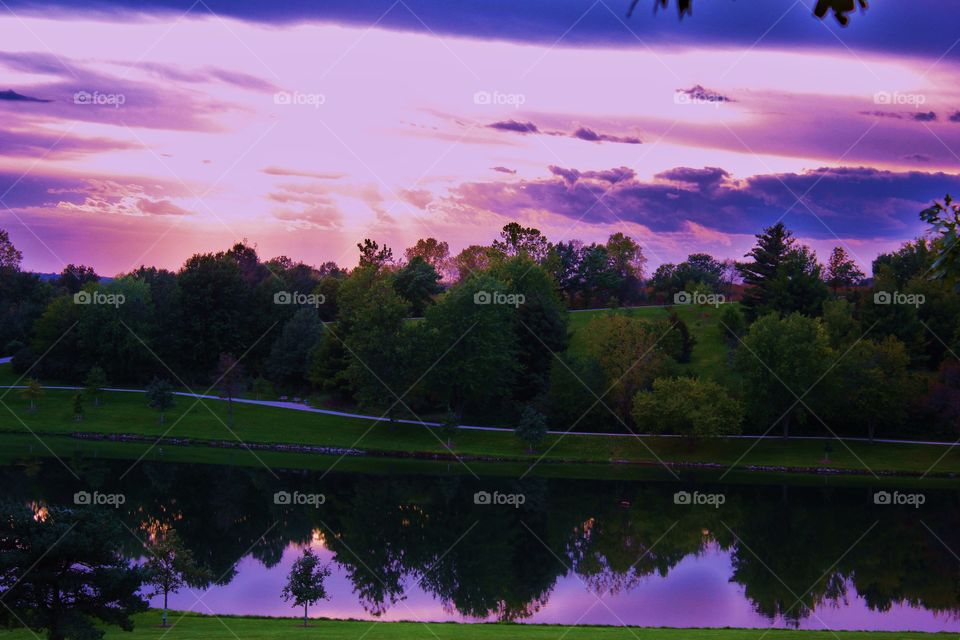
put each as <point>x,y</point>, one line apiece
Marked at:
<point>791,550</point>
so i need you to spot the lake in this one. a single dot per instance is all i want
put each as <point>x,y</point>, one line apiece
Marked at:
<point>442,546</point>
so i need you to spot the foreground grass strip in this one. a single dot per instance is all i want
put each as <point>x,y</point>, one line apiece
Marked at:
<point>197,627</point>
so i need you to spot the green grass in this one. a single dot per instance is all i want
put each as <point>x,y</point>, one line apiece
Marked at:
<point>127,413</point>
<point>197,627</point>
<point>709,358</point>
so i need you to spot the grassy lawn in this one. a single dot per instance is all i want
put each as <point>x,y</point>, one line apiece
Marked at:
<point>709,359</point>
<point>197,627</point>
<point>204,420</point>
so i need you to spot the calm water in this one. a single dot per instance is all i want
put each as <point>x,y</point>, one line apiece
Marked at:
<point>419,547</point>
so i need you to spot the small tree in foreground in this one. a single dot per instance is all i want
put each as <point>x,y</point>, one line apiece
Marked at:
<point>688,407</point>
<point>305,582</point>
<point>78,407</point>
<point>160,396</point>
<point>32,393</point>
<point>531,428</point>
<point>94,383</point>
<point>170,567</point>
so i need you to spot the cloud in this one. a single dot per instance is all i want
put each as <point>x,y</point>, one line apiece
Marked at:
<point>580,133</point>
<point>319,175</point>
<point>514,125</point>
<point>504,170</point>
<point>924,116</point>
<point>846,201</point>
<point>119,197</point>
<point>13,96</point>
<point>698,93</point>
<point>419,198</point>
<point>590,135</point>
<point>39,143</point>
<point>955,117</point>
<point>724,24</point>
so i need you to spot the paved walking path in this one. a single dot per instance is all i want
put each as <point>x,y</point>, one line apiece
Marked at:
<point>297,406</point>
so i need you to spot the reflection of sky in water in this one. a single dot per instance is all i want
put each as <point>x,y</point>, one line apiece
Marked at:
<point>695,593</point>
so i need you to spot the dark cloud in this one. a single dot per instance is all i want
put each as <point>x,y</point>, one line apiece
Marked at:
<point>611,176</point>
<point>504,170</point>
<point>846,201</point>
<point>955,117</point>
<point>36,144</point>
<point>581,133</point>
<point>514,125</point>
<point>698,93</point>
<point>13,96</point>
<point>584,133</point>
<point>919,157</point>
<point>924,116</point>
<point>922,27</point>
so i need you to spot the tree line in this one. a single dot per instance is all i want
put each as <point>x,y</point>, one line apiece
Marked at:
<point>484,335</point>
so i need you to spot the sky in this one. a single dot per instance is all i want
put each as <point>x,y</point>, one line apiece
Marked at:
<point>144,132</point>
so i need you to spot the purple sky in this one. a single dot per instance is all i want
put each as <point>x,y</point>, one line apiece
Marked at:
<point>144,137</point>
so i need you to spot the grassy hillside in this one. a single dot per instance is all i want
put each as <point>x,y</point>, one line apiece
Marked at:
<point>709,358</point>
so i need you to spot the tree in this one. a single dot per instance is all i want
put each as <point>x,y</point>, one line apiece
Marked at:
<point>872,384</point>
<point>944,221</point>
<point>10,256</point>
<point>943,398</point>
<point>229,381</point>
<point>62,570</point>
<point>627,351</point>
<point>842,271</point>
<point>160,396</point>
<point>478,344</point>
<point>373,255</point>
<point>841,326</point>
<point>600,281</point>
<point>473,260</point>
<point>911,260</point>
<point>305,582</point>
<point>732,324</point>
<point>628,261</point>
<point>839,8</point>
<point>688,407</point>
<point>370,330</point>
<point>433,252</point>
<point>78,407</point>
<point>75,276</point>
<point>540,322</point>
<point>531,427</point>
<point>417,282</point>
<point>571,402</point>
<point>517,240</point>
<point>94,383</point>
<point>781,360</point>
<point>783,277</point>
<point>770,252</point>
<point>289,358</point>
<point>170,566</point>
<point>32,393</point>
<point>261,387</point>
